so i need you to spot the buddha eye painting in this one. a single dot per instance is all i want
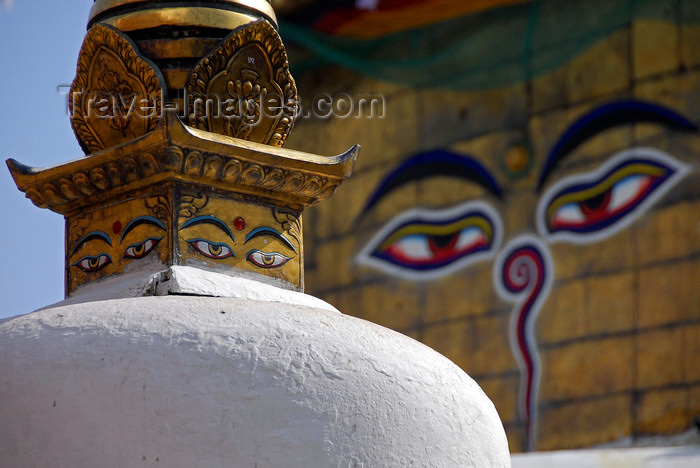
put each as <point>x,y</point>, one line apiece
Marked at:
<point>532,215</point>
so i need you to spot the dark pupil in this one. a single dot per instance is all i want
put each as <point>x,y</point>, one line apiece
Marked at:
<point>448,241</point>
<point>596,203</point>
<point>94,262</point>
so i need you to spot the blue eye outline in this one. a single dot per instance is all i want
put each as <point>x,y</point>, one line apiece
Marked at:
<point>209,244</point>
<point>103,260</point>
<point>423,216</point>
<point>279,259</point>
<point>642,155</point>
<point>130,254</point>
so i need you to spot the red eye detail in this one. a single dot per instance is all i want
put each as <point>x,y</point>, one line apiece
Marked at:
<point>430,243</point>
<point>605,208</point>
<point>138,251</point>
<point>597,205</point>
<point>425,251</point>
<point>239,224</point>
<point>587,207</point>
<point>211,250</point>
<point>267,260</point>
<point>442,246</point>
<point>93,264</point>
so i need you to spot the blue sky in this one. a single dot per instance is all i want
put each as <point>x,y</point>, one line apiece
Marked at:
<point>40,44</point>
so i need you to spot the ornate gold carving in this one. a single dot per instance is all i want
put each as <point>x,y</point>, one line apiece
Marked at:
<point>117,93</point>
<point>243,89</point>
<point>57,192</point>
<point>160,207</point>
<point>290,224</point>
<point>77,228</point>
<point>220,193</point>
<point>191,204</point>
<point>177,152</point>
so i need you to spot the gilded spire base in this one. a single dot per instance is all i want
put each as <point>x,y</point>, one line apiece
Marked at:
<point>218,194</point>
<point>182,196</point>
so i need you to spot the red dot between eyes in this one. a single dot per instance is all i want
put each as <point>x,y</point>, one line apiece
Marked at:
<point>117,227</point>
<point>239,224</point>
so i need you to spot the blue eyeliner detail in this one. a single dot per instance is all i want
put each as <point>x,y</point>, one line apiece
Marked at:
<point>92,257</point>
<point>216,244</point>
<point>87,268</point>
<point>277,259</point>
<point>606,117</point>
<point>207,219</point>
<point>433,265</point>
<point>93,235</point>
<point>193,243</point>
<point>409,246</point>
<point>157,239</point>
<point>262,231</point>
<point>435,163</point>
<point>141,220</point>
<point>657,181</point>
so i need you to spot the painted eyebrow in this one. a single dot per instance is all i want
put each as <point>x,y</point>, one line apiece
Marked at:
<point>94,235</point>
<point>606,117</point>
<point>213,220</point>
<point>434,163</point>
<point>268,231</point>
<point>139,221</point>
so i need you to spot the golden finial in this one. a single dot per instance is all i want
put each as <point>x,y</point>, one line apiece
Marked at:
<point>182,108</point>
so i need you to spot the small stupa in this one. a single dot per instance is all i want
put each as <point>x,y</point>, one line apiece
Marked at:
<point>185,338</point>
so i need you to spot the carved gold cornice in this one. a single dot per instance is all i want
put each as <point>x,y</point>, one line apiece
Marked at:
<point>175,152</point>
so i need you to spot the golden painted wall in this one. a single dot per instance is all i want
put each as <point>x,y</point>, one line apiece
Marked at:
<point>610,313</point>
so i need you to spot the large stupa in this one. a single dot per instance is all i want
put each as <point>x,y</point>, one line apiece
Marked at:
<point>185,339</point>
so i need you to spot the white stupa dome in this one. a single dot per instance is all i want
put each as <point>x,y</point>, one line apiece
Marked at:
<point>182,381</point>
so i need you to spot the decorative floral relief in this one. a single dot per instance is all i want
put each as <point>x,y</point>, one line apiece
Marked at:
<point>116,95</point>
<point>191,204</point>
<point>246,98</point>
<point>111,84</point>
<point>244,88</point>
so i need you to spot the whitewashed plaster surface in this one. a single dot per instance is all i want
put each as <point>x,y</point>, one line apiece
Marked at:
<point>185,280</point>
<point>650,457</point>
<point>179,381</point>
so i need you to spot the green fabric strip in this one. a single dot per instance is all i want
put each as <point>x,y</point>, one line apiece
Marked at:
<point>490,49</point>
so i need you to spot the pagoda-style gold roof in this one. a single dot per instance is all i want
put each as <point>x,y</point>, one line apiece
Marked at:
<point>182,109</point>
<point>175,151</point>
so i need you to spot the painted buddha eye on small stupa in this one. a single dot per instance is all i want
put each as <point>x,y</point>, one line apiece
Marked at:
<point>93,263</point>
<point>142,249</point>
<point>95,259</point>
<point>266,260</point>
<point>140,228</point>
<point>213,250</point>
<point>206,246</point>
<point>582,206</point>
